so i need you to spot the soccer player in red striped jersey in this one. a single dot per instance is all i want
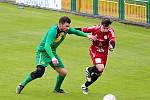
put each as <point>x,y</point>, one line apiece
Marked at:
<point>105,41</point>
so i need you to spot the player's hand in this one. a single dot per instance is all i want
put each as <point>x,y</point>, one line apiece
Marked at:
<point>54,61</point>
<point>111,47</point>
<point>92,37</point>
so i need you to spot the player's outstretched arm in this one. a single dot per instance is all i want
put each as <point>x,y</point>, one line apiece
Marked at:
<point>78,29</point>
<point>80,33</point>
<point>91,37</point>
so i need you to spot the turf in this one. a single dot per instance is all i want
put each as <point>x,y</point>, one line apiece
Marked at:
<point>21,30</point>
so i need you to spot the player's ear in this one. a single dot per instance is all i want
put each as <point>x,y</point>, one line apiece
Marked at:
<point>60,25</point>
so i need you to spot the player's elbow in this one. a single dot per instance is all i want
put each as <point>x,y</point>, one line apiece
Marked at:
<point>46,47</point>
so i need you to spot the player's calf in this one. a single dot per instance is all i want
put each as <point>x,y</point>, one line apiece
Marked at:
<point>88,74</point>
<point>89,71</point>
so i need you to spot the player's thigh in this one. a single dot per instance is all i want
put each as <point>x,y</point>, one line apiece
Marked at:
<point>60,63</point>
<point>96,57</point>
<point>99,58</point>
<point>100,61</point>
<point>42,58</point>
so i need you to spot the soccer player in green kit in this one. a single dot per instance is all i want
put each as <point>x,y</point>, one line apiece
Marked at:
<point>46,53</point>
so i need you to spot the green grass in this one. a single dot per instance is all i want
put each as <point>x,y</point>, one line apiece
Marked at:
<point>21,30</point>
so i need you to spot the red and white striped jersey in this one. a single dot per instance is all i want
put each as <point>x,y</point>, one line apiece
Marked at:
<point>103,39</point>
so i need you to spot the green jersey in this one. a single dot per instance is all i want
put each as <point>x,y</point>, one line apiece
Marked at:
<point>54,37</point>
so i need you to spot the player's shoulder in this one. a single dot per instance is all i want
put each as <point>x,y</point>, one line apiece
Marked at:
<point>52,31</point>
<point>111,30</point>
<point>54,27</point>
<point>71,28</point>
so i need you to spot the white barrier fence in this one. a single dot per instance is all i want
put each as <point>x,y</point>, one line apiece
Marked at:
<point>54,4</point>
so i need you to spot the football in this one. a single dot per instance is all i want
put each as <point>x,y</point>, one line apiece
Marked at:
<point>109,97</point>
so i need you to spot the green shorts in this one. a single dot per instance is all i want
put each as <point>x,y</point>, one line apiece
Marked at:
<point>42,58</point>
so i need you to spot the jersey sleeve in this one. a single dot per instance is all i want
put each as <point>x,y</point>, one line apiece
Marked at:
<point>89,29</point>
<point>49,40</point>
<point>77,32</point>
<point>111,37</point>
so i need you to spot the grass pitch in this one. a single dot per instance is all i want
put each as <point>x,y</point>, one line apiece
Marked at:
<point>21,30</point>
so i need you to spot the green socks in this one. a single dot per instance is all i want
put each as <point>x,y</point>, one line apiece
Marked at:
<point>27,80</point>
<point>59,82</point>
<point>57,86</point>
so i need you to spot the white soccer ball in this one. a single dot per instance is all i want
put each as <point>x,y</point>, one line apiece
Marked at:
<point>109,97</point>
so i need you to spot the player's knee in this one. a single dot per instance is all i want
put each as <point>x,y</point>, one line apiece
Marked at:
<point>38,73</point>
<point>99,74</point>
<point>63,72</point>
<point>100,67</point>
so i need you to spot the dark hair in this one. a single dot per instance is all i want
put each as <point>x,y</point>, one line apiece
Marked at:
<point>106,22</point>
<point>64,19</point>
